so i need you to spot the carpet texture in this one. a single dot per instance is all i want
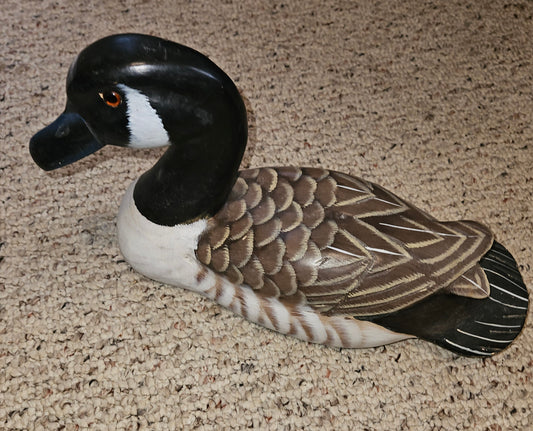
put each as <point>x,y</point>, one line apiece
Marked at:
<point>433,100</point>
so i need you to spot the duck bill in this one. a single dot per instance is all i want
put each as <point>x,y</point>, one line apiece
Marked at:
<point>65,141</point>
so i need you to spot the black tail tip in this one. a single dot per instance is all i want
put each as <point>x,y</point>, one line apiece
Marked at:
<point>496,321</point>
<point>468,326</point>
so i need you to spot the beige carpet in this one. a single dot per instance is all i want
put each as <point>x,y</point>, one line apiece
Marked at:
<point>433,100</point>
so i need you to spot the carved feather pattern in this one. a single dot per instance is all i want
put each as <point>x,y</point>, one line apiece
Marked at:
<point>342,244</point>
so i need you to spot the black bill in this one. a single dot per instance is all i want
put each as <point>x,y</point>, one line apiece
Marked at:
<point>65,141</point>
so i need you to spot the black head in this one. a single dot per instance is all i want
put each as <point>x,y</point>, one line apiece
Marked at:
<point>135,90</point>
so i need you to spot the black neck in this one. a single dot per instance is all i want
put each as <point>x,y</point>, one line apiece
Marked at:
<point>194,178</point>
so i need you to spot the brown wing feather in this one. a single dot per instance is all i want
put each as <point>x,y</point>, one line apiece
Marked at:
<point>344,245</point>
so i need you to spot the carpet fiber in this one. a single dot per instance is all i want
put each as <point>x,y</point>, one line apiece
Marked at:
<point>433,100</point>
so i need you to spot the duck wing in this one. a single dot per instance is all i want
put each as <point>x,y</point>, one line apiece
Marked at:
<point>343,245</point>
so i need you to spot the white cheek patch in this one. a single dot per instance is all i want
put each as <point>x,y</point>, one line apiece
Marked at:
<point>145,125</point>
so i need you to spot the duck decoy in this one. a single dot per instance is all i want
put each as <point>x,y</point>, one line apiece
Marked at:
<point>314,253</point>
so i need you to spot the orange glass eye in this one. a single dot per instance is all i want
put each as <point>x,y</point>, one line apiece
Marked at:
<point>111,98</point>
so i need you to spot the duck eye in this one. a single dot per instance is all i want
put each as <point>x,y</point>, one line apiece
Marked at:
<point>111,98</point>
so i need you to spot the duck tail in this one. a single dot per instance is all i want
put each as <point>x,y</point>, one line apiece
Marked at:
<point>468,326</point>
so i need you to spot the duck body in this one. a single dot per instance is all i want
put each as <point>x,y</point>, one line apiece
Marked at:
<point>317,254</point>
<point>169,254</point>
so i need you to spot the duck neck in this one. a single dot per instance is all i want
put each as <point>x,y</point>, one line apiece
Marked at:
<point>194,176</point>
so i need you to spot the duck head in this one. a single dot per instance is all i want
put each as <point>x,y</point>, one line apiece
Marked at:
<point>141,91</point>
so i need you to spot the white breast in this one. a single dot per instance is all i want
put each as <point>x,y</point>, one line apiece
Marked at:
<point>163,253</point>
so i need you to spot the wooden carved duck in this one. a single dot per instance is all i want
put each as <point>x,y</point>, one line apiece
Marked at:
<point>317,254</point>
